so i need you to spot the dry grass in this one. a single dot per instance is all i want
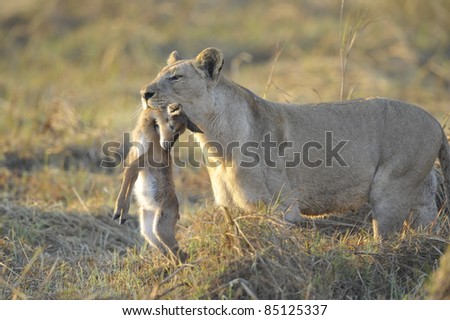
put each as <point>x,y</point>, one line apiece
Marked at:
<point>440,283</point>
<point>71,73</point>
<point>55,254</point>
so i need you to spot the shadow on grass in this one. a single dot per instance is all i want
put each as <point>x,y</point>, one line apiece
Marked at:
<point>45,251</point>
<point>67,233</point>
<point>68,157</point>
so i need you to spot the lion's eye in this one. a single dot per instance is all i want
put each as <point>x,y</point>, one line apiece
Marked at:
<point>156,126</point>
<point>175,77</point>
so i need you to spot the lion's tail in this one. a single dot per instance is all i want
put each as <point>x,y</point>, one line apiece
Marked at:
<point>444,159</point>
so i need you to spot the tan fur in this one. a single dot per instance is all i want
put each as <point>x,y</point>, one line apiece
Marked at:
<point>149,168</point>
<point>391,147</point>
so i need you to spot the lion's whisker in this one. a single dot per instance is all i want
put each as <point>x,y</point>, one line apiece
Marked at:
<point>136,112</point>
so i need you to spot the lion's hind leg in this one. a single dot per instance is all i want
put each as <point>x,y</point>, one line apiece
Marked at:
<point>425,212</point>
<point>391,200</point>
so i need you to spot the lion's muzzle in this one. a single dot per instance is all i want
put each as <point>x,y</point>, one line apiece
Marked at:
<point>146,95</point>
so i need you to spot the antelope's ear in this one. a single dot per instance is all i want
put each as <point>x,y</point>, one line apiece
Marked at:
<point>210,61</point>
<point>193,127</point>
<point>174,109</point>
<point>173,57</point>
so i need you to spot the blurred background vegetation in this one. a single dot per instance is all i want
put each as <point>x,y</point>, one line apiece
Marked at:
<point>88,59</point>
<point>71,71</point>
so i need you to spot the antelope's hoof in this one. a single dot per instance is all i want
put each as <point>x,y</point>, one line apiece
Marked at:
<point>116,216</point>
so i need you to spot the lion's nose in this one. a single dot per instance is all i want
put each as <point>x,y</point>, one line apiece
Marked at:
<point>148,94</point>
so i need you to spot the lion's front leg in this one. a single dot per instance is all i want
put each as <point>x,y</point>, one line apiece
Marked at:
<point>286,204</point>
<point>222,194</point>
<point>247,188</point>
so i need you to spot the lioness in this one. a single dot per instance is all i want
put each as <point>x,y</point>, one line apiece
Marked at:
<point>149,167</point>
<point>387,147</point>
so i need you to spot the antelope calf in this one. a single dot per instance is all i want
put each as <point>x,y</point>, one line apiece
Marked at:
<point>149,168</point>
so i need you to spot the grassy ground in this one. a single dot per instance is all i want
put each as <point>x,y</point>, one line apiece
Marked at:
<point>70,76</point>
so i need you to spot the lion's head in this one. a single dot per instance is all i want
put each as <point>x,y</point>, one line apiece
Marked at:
<point>188,82</point>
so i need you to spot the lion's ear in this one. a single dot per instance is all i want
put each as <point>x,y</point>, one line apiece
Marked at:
<point>173,57</point>
<point>210,61</point>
